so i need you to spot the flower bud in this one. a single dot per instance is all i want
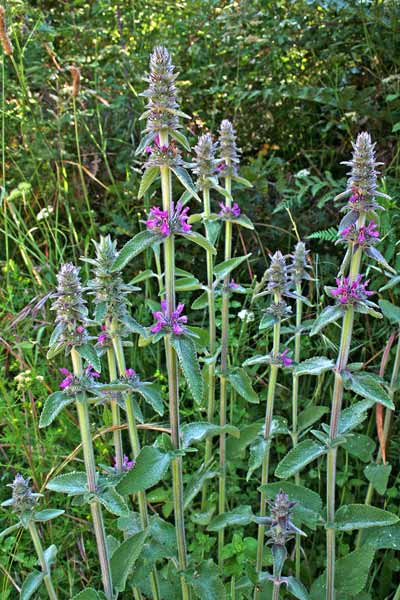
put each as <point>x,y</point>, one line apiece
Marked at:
<point>70,307</point>
<point>22,499</point>
<point>298,267</point>
<point>161,92</point>
<point>228,150</point>
<point>205,164</point>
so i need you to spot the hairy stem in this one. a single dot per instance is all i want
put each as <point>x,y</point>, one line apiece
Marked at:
<point>116,420</point>
<point>224,379</point>
<point>90,467</point>
<point>173,378</point>
<point>42,560</point>
<point>212,344</point>
<point>295,406</point>
<point>267,432</point>
<point>275,591</point>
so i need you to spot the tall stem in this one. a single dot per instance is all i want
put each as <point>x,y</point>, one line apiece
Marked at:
<point>90,467</point>
<point>295,406</point>
<point>115,413</point>
<point>173,377</point>
<point>275,591</point>
<point>345,342</point>
<point>224,379</point>
<point>212,336</point>
<point>42,560</point>
<point>267,432</point>
<point>135,445</point>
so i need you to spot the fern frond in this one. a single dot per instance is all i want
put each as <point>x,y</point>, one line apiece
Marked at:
<point>327,235</point>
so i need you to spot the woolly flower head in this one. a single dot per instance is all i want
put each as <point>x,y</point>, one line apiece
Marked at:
<point>22,499</point>
<point>70,307</point>
<point>228,150</point>
<point>298,267</point>
<point>205,164</point>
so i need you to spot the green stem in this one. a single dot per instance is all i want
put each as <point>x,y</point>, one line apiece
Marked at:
<point>42,560</point>
<point>275,591</point>
<point>115,412</point>
<point>267,432</point>
<point>90,467</point>
<point>135,445</point>
<point>223,377</point>
<point>295,406</point>
<point>345,342</point>
<point>212,343</point>
<point>173,378</point>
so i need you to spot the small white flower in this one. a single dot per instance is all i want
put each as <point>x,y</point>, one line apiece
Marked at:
<point>246,315</point>
<point>44,213</point>
<point>302,173</point>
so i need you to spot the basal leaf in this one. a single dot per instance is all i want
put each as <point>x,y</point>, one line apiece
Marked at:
<point>124,558</point>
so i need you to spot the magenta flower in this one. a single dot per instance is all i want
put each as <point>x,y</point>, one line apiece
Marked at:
<point>150,149</point>
<point>221,166</point>
<point>232,285</point>
<point>284,358</point>
<point>162,223</point>
<point>351,292</point>
<point>127,464</point>
<point>172,322</point>
<point>90,372</point>
<point>69,377</point>
<point>363,235</point>
<point>180,218</point>
<point>130,373</point>
<point>229,212</point>
<point>80,329</point>
<point>103,337</point>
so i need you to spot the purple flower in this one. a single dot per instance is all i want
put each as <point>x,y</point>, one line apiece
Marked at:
<point>229,212</point>
<point>232,285</point>
<point>90,372</point>
<point>172,322</point>
<point>284,358</point>
<point>221,166</point>
<point>80,329</point>
<point>164,224</point>
<point>159,221</point>
<point>130,373</point>
<point>364,235</point>
<point>127,464</point>
<point>69,377</point>
<point>181,216</point>
<point>351,292</point>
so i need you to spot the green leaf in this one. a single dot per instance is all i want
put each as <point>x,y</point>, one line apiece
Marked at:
<point>195,484</point>
<point>150,467</point>
<point>299,457</point>
<point>125,557</point>
<point>241,382</point>
<point>310,415</point>
<point>186,352</point>
<point>378,476</point>
<point>180,138</point>
<point>53,406</point>
<point>223,269</point>
<point>10,529</point>
<point>135,246</point>
<point>54,350</point>
<point>242,181</point>
<point>197,432</point>
<point>206,582</point>
<point>391,311</point>
<point>354,415</point>
<point>151,394</point>
<point>258,450</point>
<point>90,355</point>
<point>134,326</point>
<point>379,538</point>
<point>368,386</point>
<point>150,175</point>
<point>244,221</point>
<point>361,446</point>
<point>297,589</point>
<point>87,594</point>
<point>314,366</point>
<point>361,516</point>
<point>266,322</point>
<point>56,334</point>
<point>31,584</point>
<point>50,555</point>
<point>113,502</point>
<point>242,515</point>
<point>186,181</point>
<point>145,141</point>
<point>200,302</point>
<point>328,315</point>
<point>187,284</point>
<point>47,514</point>
<point>73,484</point>
<point>200,240</point>
<point>308,505</point>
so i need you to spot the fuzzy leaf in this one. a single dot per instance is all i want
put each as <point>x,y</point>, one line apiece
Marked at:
<point>297,589</point>
<point>186,352</point>
<point>242,181</point>
<point>391,311</point>
<point>197,432</point>
<point>362,516</point>
<point>351,574</point>
<point>379,538</point>
<point>258,450</point>
<point>152,396</point>
<point>73,484</point>
<point>308,505</point>
<point>354,415</point>
<point>311,415</point>
<point>330,314</point>
<point>361,446</point>
<point>150,467</point>
<point>200,240</point>
<point>89,594</point>
<point>135,246</point>
<point>180,138</point>
<point>195,484</point>
<point>374,253</point>
<point>145,141</point>
<point>90,355</point>
<point>150,175</point>
<point>47,514</point>
<point>134,326</point>
<point>242,515</point>
<point>241,383</point>
<point>113,502</point>
<point>125,557</point>
<point>299,457</point>
<point>314,366</point>
<point>243,221</point>
<point>223,269</point>
<point>50,555</point>
<point>186,181</point>
<point>378,476</point>
<point>207,583</point>
<point>54,350</point>
<point>368,386</point>
<point>200,302</point>
<point>53,406</point>
<point>31,585</point>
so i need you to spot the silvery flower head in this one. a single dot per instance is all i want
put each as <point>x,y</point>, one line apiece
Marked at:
<point>205,164</point>
<point>277,275</point>
<point>298,267</point>
<point>161,92</point>
<point>281,526</point>
<point>22,499</point>
<point>228,150</point>
<point>70,307</point>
